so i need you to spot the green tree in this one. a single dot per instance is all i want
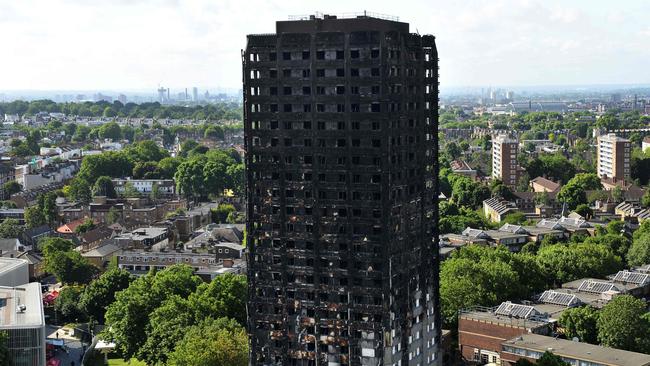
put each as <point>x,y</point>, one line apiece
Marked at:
<point>580,322</point>
<point>110,130</point>
<point>237,177</point>
<point>67,304</point>
<point>645,200</point>
<point>213,342</point>
<point>78,190</point>
<point>187,146</point>
<point>453,150</point>
<point>49,245</point>
<point>225,297</point>
<point>573,193</point>
<point>47,204</point>
<point>127,318</point>
<point>11,187</point>
<point>621,324</point>
<point>221,212</point>
<point>34,217</point>
<point>618,194</point>
<point>10,228</point>
<point>130,191</point>
<point>104,187</point>
<point>5,356</point>
<point>70,267</point>
<point>563,263</point>
<point>99,294</point>
<point>584,210</point>
<point>617,243</point>
<point>85,227</point>
<point>639,253</point>
<point>214,132</point>
<point>478,275</point>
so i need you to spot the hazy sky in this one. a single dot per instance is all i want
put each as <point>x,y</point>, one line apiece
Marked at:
<point>137,44</point>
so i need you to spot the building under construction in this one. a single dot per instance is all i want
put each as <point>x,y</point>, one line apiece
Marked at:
<point>341,122</point>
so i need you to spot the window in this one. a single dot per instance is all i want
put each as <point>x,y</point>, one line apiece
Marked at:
<point>273,74</point>
<point>306,90</point>
<point>354,90</point>
<point>286,73</point>
<point>340,72</point>
<point>340,89</point>
<point>287,90</point>
<point>374,71</point>
<point>354,72</point>
<point>305,55</point>
<point>286,56</point>
<point>374,53</point>
<point>339,55</point>
<point>287,108</point>
<point>320,73</point>
<point>306,125</point>
<point>273,90</point>
<point>354,53</point>
<point>273,56</point>
<point>320,55</point>
<point>375,107</point>
<point>274,125</point>
<point>306,73</point>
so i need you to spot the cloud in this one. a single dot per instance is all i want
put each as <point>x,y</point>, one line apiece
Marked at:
<point>127,44</point>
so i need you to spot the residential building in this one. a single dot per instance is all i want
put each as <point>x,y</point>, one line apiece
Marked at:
<point>496,209</point>
<point>504,160</point>
<point>541,184</point>
<point>481,330</point>
<point>7,174</point>
<point>462,168</point>
<point>614,155</point>
<point>165,187</point>
<point>205,265</point>
<point>340,119</point>
<point>145,237</point>
<point>532,346</point>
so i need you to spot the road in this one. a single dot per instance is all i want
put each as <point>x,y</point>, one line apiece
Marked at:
<point>74,346</point>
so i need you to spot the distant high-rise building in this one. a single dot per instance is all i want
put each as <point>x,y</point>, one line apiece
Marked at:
<point>122,98</point>
<point>163,95</point>
<point>504,160</point>
<point>340,118</point>
<point>195,94</point>
<point>614,154</point>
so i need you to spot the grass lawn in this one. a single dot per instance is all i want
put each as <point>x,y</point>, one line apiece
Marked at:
<point>120,362</point>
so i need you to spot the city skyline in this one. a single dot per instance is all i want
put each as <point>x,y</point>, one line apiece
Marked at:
<point>67,44</point>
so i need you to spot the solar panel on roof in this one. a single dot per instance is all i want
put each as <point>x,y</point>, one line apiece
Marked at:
<point>559,298</point>
<point>596,287</point>
<point>515,310</point>
<point>632,277</point>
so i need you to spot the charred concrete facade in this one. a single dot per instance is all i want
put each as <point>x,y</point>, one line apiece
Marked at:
<point>341,130</point>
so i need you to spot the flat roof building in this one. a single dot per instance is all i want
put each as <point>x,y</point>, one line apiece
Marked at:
<point>533,346</point>
<point>504,160</point>
<point>22,317</point>
<point>614,154</point>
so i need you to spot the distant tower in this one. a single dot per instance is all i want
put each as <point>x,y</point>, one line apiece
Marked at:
<point>195,94</point>
<point>161,94</point>
<point>186,95</point>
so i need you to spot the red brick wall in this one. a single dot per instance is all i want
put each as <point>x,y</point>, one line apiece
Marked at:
<point>483,335</point>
